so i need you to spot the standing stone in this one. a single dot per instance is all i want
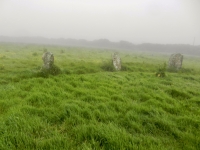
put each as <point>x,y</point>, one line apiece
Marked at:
<point>48,60</point>
<point>175,61</point>
<point>116,61</point>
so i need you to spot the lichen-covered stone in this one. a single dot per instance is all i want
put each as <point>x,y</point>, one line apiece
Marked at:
<point>175,61</point>
<point>48,60</point>
<point>48,68</point>
<point>116,61</point>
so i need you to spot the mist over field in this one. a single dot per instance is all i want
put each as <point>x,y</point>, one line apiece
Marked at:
<point>185,49</point>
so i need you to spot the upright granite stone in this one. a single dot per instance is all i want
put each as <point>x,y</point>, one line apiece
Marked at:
<point>48,67</point>
<point>175,61</point>
<point>48,60</point>
<point>116,61</point>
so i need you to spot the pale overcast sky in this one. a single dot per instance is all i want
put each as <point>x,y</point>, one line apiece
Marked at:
<point>136,21</point>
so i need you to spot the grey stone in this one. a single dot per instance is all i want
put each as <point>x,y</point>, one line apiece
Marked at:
<point>175,61</point>
<point>116,61</point>
<point>48,60</point>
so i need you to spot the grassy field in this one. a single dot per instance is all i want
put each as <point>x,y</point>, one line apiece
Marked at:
<point>90,106</point>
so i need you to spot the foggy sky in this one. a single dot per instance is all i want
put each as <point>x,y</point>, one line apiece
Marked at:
<point>136,21</point>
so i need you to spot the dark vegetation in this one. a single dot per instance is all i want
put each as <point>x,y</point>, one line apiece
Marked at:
<point>185,49</point>
<point>161,70</point>
<point>54,70</point>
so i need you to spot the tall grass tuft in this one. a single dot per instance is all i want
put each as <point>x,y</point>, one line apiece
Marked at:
<point>108,66</point>
<point>161,70</point>
<point>54,70</point>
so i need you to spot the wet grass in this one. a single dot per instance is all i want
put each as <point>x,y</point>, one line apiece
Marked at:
<point>88,106</point>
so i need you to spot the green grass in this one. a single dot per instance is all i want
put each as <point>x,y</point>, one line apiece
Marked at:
<point>90,106</point>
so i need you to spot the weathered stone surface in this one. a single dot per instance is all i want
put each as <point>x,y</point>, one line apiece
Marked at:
<point>175,61</point>
<point>116,61</point>
<point>48,60</point>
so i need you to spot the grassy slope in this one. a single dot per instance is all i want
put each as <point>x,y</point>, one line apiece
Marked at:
<point>87,107</point>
